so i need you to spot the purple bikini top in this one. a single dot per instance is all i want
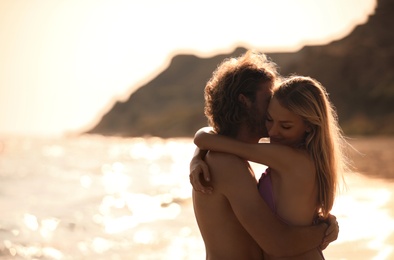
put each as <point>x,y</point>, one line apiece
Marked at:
<point>265,189</point>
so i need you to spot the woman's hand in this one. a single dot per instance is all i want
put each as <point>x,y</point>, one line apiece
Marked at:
<point>199,175</point>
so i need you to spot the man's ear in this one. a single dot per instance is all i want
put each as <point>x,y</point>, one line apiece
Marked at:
<point>244,100</point>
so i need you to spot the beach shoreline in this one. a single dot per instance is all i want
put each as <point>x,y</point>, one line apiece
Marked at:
<point>368,159</point>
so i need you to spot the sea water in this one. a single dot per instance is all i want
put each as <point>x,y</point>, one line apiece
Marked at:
<point>94,197</point>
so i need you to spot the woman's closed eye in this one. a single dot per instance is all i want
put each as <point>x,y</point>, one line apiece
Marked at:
<point>286,127</point>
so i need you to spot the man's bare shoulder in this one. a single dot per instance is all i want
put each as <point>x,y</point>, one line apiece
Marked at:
<point>219,157</point>
<point>218,160</point>
<point>228,168</point>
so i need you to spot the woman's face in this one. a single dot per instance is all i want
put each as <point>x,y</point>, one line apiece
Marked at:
<point>284,127</point>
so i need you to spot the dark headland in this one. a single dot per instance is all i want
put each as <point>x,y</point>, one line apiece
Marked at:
<point>358,72</point>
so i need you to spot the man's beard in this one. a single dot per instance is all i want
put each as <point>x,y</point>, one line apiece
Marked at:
<point>256,122</point>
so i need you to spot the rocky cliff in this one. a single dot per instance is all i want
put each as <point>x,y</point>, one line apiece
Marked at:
<point>358,72</point>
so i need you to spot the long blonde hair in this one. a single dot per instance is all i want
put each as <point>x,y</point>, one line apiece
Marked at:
<point>325,142</point>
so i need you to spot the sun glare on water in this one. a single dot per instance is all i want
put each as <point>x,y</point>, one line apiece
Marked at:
<point>112,198</point>
<point>365,216</point>
<point>122,209</point>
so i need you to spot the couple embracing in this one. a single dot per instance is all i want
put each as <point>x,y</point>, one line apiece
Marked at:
<point>286,213</point>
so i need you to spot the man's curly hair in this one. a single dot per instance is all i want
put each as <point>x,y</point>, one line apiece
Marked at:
<point>235,76</point>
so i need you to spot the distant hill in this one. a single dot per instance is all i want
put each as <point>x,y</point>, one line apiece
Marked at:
<point>358,72</point>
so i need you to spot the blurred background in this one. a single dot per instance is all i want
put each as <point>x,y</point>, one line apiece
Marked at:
<point>99,101</point>
<point>64,63</point>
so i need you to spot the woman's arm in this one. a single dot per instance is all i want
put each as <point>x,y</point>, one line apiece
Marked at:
<point>273,155</point>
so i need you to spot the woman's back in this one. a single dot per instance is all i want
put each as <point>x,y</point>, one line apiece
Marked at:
<point>293,196</point>
<point>295,191</point>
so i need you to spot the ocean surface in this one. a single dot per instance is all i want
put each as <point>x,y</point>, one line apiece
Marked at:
<point>94,197</point>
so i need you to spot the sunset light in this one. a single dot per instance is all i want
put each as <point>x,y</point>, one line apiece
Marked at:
<point>101,102</point>
<point>64,63</point>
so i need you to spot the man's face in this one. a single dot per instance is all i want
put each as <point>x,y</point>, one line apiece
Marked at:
<point>258,110</point>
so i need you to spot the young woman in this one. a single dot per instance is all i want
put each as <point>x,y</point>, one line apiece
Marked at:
<point>304,157</point>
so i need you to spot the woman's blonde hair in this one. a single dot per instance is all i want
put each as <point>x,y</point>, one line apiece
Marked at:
<point>325,142</point>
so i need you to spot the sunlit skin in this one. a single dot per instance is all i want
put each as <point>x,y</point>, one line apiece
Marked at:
<point>245,225</point>
<point>292,170</point>
<point>252,215</point>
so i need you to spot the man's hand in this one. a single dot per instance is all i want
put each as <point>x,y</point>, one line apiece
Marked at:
<point>199,175</point>
<point>331,232</point>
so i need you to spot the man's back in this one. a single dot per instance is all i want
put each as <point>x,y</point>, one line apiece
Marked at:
<point>223,234</point>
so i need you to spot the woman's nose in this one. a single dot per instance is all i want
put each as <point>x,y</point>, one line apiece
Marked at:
<point>273,130</point>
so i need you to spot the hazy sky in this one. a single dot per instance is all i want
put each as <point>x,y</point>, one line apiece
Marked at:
<point>64,62</point>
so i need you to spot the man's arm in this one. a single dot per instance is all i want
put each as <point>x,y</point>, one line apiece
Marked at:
<point>273,236</point>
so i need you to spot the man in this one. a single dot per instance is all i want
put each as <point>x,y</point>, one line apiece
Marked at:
<point>234,221</point>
